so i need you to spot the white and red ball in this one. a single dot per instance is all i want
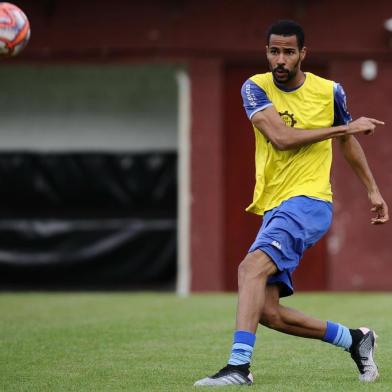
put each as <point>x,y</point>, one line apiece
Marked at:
<point>14,30</point>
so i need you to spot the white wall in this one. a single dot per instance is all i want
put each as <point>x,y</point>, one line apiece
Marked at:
<point>94,107</point>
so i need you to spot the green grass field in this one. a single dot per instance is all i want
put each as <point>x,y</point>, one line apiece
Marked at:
<point>158,342</point>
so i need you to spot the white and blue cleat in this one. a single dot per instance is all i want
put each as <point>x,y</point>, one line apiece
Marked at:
<point>229,375</point>
<point>362,354</point>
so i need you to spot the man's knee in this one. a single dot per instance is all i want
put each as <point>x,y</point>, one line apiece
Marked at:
<point>256,265</point>
<point>271,317</point>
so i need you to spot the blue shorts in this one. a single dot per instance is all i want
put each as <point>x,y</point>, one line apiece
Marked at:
<point>287,231</point>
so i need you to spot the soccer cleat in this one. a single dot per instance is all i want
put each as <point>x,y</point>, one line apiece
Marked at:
<point>229,375</point>
<point>362,354</point>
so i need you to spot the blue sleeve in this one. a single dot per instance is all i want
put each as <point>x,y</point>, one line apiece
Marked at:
<point>341,114</point>
<point>254,97</point>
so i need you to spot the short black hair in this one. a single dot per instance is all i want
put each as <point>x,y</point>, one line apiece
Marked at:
<point>287,28</point>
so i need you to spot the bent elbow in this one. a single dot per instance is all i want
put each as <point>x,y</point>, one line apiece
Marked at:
<point>280,144</point>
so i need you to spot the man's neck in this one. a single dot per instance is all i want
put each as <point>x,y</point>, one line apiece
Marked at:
<point>294,83</point>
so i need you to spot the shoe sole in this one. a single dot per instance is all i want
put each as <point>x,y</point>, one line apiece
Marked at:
<point>211,382</point>
<point>366,330</point>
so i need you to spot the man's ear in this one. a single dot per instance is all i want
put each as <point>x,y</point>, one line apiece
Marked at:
<point>302,53</point>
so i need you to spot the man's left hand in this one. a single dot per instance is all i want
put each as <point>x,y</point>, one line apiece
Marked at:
<point>379,207</point>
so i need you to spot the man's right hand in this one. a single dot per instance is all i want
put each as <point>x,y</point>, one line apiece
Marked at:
<point>364,125</point>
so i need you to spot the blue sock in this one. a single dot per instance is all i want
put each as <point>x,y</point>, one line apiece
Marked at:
<point>338,335</point>
<point>242,350</point>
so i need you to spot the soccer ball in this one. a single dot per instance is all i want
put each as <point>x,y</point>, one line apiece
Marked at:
<point>14,30</point>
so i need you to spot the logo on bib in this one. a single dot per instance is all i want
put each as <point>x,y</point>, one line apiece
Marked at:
<point>288,118</point>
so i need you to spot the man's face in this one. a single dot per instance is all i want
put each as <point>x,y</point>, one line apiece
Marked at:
<point>284,57</point>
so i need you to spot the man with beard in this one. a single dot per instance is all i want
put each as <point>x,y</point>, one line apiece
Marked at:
<point>294,115</point>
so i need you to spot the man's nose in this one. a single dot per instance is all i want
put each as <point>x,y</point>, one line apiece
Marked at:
<point>281,59</point>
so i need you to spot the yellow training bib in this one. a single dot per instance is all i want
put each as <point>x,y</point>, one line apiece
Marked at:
<point>304,171</point>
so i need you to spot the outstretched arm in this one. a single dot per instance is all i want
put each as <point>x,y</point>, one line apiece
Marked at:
<point>283,137</point>
<point>355,156</point>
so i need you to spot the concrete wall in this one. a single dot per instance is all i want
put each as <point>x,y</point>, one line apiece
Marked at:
<point>95,107</point>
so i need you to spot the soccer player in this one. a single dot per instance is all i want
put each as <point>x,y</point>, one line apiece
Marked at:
<point>294,115</point>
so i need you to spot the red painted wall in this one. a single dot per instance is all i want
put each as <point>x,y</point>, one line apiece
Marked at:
<point>240,227</point>
<point>360,254</point>
<point>202,27</point>
<point>207,160</point>
<point>206,37</point>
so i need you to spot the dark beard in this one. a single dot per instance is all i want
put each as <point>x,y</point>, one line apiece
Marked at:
<point>290,74</point>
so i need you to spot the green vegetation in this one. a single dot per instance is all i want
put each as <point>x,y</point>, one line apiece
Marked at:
<point>158,342</point>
